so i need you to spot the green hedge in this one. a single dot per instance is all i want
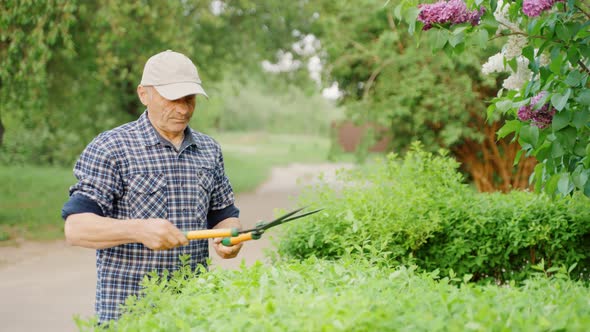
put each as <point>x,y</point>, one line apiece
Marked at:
<point>416,210</point>
<point>349,295</point>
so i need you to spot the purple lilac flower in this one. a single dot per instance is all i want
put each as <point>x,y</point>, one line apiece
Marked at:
<point>541,117</point>
<point>533,8</point>
<point>453,12</point>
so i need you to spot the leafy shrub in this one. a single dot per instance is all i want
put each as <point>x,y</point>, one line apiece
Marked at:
<point>349,295</point>
<point>417,210</point>
<point>503,235</point>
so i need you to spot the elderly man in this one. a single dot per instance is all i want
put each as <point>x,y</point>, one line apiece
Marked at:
<point>141,185</point>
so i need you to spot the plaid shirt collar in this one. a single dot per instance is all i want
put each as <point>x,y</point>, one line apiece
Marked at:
<point>150,136</point>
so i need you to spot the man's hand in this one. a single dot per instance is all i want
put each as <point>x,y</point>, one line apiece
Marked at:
<point>221,250</point>
<point>161,234</point>
<point>226,252</point>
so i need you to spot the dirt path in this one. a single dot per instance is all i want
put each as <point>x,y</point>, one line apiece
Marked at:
<point>43,285</point>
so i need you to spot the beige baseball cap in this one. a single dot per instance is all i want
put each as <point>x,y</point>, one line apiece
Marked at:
<point>173,75</point>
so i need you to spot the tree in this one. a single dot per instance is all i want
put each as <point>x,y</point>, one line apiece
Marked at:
<point>69,69</point>
<point>32,33</point>
<point>415,94</point>
<point>547,94</point>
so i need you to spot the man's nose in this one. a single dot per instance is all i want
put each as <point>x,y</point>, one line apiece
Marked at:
<point>182,106</point>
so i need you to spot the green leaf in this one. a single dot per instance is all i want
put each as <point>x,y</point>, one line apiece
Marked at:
<point>517,157</point>
<point>490,111</point>
<point>411,14</point>
<point>574,78</point>
<point>529,134</point>
<point>580,177</point>
<point>560,100</point>
<point>567,137</point>
<point>562,32</point>
<point>584,97</point>
<point>457,39</point>
<point>529,53</point>
<point>561,120</point>
<point>556,63</point>
<point>509,127</point>
<point>580,149</point>
<point>504,105</point>
<point>551,185</point>
<point>538,172</point>
<point>564,185</point>
<point>438,39</point>
<point>493,5</point>
<point>481,38</point>
<point>581,118</point>
<point>513,64</point>
<point>556,149</point>
<point>573,55</point>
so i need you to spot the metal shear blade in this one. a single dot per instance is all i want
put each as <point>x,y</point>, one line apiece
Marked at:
<point>281,220</point>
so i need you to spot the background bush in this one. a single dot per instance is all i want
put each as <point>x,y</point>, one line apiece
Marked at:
<point>417,210</point>
<point>271,106</point>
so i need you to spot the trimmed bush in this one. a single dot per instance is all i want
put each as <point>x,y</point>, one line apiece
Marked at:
<point>416,210</point>
<point>349,295</point>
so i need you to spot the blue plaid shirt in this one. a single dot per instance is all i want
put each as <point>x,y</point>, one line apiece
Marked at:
<point>130,174</point>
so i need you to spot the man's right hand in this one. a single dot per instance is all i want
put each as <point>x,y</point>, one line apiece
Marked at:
<point>161,234</point>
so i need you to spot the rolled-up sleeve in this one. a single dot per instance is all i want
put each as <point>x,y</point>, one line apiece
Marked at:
<point>222,195</point>
<point>98,177</point>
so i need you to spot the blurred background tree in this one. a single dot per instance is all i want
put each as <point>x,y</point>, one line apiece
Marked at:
<point>69,70</point>
<point>417,94</point>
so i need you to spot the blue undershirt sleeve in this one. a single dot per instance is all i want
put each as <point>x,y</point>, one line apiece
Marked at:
<point>214,217</point>
<point>80,204</point>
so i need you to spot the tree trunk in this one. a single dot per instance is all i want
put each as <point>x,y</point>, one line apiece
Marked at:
<point>491,162</point>
<point>1,131</point>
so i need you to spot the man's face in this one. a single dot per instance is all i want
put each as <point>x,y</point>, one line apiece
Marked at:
<point>169,116</point>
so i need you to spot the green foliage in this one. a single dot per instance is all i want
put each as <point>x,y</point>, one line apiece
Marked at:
<point>386,211</point>
<point>348,295</point>
<point>69,69</point>
<point>390,80</point>
<point>416,210</point>
<point>557,54</point>
<point>262,106</point>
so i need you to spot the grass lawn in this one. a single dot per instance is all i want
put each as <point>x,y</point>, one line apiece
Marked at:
<point>31,197</point>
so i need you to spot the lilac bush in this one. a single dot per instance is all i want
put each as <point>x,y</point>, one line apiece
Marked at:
<point>533,8</point>
<point>546,97</point>
<point>540,116</point>
<point>452,12</point>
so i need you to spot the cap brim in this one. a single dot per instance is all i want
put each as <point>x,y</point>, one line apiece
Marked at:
<point>178,90</point>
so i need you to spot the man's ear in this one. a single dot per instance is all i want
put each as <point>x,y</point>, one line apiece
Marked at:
<point>143,94</point>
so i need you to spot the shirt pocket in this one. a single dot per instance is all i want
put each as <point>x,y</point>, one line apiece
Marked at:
<point>205,179</point>
<point>148,196</point>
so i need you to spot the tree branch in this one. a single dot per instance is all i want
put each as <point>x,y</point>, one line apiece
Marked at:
<point>583,11</point>
<point>522,34</point>
<point>584,66</point>
<point>373,76</point>
<point>392,26</point>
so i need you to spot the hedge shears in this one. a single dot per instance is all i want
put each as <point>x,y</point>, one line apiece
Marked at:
<point>233,236</point>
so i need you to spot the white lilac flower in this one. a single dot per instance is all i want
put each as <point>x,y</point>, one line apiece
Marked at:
<point>501,16</point>
<point>495,64</point>
<point>519,78</point>
<point>514,46</point>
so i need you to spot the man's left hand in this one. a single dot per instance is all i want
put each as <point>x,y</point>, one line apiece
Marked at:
<point>226,252</point>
